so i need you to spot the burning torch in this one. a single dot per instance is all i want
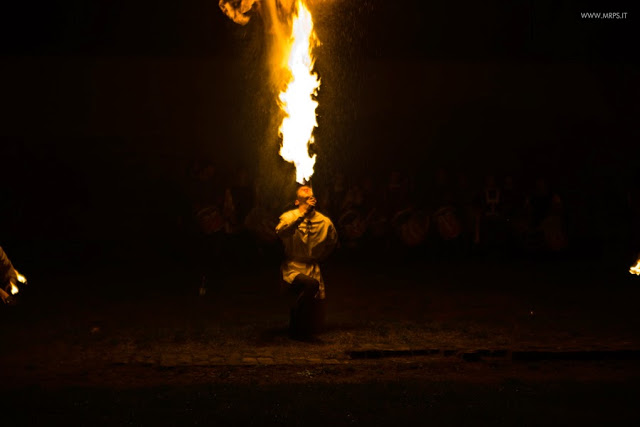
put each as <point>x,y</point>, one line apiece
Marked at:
<point>7,293</point>
<point>9,275</point>
<point>21,279</point>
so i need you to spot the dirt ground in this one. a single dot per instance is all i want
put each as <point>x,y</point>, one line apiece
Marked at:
<point>482,341</point>
<point>317,395</point>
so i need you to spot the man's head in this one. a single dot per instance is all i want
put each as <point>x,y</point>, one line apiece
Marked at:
<point>303,195</point>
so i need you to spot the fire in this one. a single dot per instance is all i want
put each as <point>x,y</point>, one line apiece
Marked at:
<point>635,269</point>
<point>289,28</point>
<point>297,100</point>
<point>14,287</point>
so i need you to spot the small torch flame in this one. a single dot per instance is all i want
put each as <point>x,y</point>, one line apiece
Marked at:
<point>14,287</point>
<point>635,269</point>
<point>297,100</point>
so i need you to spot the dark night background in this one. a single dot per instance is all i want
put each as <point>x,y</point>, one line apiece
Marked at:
<point>107,104</point>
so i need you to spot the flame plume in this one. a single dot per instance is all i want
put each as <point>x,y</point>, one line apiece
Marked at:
<point>289,29</point>
<point>635,269</point>
<point>297,100</point>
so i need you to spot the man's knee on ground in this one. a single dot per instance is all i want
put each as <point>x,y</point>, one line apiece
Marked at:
<point>306,284</point>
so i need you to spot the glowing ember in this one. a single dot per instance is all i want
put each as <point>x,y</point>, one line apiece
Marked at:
<point>297,99</point>
<point>14,289</point>
<point>635,269</point>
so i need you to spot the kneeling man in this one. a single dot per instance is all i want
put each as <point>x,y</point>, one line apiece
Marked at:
<point>308,237</point>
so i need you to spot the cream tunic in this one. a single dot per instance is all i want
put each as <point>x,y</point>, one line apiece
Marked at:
<point>306,242</point>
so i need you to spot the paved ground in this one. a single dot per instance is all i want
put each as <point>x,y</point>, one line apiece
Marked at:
<point>558,327</point>
<point>437,309</point>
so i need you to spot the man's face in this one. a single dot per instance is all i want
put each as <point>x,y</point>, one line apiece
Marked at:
<point>304,194</point>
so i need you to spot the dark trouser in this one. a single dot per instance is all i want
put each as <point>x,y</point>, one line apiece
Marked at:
<point>307,313</point>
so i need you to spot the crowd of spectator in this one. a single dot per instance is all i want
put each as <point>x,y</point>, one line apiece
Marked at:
<point>397,214</point>
<point>223,219</point>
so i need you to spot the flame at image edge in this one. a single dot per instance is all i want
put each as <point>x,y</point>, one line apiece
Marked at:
<point>635,269</point>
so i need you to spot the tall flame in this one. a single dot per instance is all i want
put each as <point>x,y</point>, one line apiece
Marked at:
<point>297,100</point>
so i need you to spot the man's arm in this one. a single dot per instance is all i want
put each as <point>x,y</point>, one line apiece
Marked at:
<point>288,224</point>
<point>332,237</point>
<point>328,244</point>
<point>7,272</point>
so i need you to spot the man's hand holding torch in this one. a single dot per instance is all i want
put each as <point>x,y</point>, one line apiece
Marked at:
<point>12,288</point>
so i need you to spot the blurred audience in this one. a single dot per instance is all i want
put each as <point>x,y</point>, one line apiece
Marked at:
<point>395,218</point>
